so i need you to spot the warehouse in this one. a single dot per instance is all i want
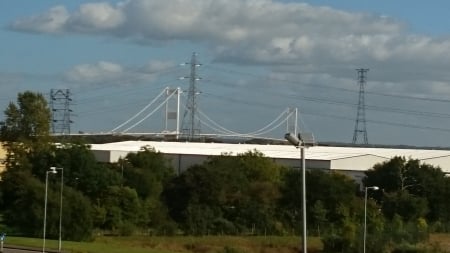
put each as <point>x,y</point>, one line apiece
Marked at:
<point>352,161</point>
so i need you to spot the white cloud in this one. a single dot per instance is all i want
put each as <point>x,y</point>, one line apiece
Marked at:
<point>95,17</point>
<point>94,73</point>
<point>52,21</point>
<point>321,39</point>
<point>105,72</point>
<point>157,66</point>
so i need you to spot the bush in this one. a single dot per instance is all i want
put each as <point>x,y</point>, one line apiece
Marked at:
<point>126,229</point>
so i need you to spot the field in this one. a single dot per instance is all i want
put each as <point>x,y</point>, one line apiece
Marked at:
<point>189,244</point>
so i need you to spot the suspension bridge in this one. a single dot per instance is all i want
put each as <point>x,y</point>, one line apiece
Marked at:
<point>173,102</point>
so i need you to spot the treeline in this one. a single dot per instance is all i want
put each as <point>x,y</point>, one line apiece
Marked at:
<point>246,194</point>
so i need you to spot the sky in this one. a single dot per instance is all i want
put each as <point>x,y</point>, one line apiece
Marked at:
<point>258,57</point>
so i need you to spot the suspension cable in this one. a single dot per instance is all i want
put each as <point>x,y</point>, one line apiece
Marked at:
<point>151,113</point>
<point>139,113</point>
<point>257,132</point>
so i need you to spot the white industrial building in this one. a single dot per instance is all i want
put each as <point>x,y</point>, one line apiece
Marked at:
<point>352,161</point>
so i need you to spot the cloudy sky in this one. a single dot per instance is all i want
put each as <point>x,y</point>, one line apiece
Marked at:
<point>258,58</point>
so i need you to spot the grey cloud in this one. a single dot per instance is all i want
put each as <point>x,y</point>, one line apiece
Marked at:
<point>52,21</point>
<point>105,72</point>
<point>322,39</point>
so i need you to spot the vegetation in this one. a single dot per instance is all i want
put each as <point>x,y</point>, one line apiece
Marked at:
<point>182,244</point>
<point>244,194</point>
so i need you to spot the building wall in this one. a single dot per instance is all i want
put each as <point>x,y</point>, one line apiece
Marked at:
<point>181,162</point>
<point>357,163</point>
<point>2,157</point>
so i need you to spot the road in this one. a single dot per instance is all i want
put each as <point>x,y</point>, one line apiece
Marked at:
<point>6,250</point>
<point>13,249</point>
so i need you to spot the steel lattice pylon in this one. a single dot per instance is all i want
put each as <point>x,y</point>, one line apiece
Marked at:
<point>190,126</point>
<point>60,102</point>
<point>360,124</point>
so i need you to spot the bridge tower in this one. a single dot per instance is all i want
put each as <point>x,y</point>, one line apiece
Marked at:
<point>172,112</point>
<point>292,120</point>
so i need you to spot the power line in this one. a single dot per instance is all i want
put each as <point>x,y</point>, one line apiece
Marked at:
<point>316,85</point>
<point>330,101</point>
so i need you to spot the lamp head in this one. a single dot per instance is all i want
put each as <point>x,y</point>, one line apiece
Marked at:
<point>375,188</point>
<point>52,170</point>
<point>307,139</point>
<point>292,139</point>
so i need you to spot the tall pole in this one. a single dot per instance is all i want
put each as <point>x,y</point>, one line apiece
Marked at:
<point>53,171</point>
<point>302,154</point>
<point>302,142</point>
<point>178,112</point>
<point>60,208</point>
<point>45,211</point>
<point>365,220</point>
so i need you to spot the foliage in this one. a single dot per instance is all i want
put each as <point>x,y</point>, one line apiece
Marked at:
<point>77,220</point>
<point>147,172</point>
<point>26,128</point>
<point>421,189</point>
<point>23,198</point>
<point>226,193</point>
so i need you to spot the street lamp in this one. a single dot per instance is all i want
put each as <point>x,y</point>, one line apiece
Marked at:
<point>53,171</point>
<point>60,205</point>
<point>375,188</point>
<point>303,141</point>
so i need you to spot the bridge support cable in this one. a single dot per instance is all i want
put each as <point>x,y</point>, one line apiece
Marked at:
<point>244,135</point>
<point>268,128</point>
<point>140,112</point>
<point>152,112</point>
<point>224,130</point>
<point>260,131</point>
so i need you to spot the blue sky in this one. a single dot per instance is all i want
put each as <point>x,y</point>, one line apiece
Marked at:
<point>259,57</point>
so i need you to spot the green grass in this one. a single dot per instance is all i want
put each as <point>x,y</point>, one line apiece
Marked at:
<point>187,244</point>
<point>191,244</point>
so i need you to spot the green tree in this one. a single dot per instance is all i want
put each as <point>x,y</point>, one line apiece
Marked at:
<point>122,207</point>
<point>408,206</point>
<point>77,220</point>
<point>26,128</point>
<point>83,173</point>
<point>230,193</point>
<point>146,171</point>
<point>319,215</point>
<point>23,211</point>
<point>23,202</point>
<point>412,188</point>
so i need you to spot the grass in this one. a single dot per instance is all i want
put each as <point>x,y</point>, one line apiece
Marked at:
<point>191,244</point>
<point>185,244</point>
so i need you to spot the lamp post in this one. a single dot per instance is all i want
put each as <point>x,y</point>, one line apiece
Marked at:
<point>53,171</point>
<point>60,205</point>
<point>302,141</point>
<point>375,188</point>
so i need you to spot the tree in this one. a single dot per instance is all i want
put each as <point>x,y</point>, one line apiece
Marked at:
<point>23,210</point>
<point>229,193</point>
<point>319,214</point>
<point>23,198</point>
<point>410,189</point>
<point>122,207</point>
<point>146,171</point>
<point>26,128</point>
<point>82,172</point>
